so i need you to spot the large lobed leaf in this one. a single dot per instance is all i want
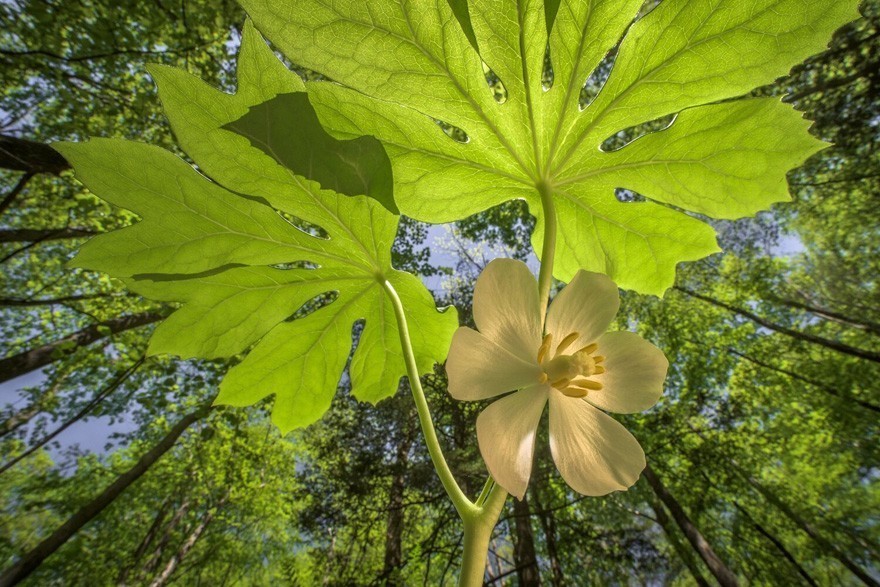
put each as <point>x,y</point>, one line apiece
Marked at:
<point>246,275</point>
<point>401,65</point>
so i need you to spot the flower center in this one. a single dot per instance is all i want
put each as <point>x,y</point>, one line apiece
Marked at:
<point>570,373</point>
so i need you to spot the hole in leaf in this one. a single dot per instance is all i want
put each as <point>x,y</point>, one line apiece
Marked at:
<point>597,79</point>
<point>547,72</point>
<point>453,132</point>
<point>316,303</point>
<point>307,227</point>
<point>628,196</point>
<point>499,92</point>
<point>295,265</point>
<point>647,8</point>
<point>626,136</point>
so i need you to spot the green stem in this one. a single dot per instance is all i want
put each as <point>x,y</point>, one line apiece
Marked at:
<point>477,534</point>
<point>548,251</point>
<point>479,519</point>
<point>463,505</point>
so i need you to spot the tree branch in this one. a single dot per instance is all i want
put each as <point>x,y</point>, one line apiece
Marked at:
<point>32,559</point>
<point>27,361</point>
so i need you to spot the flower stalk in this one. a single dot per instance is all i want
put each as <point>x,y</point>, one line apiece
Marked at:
<point>548,250</point>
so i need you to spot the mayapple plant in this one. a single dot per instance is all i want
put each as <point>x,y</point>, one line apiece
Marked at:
<point>278,237</point>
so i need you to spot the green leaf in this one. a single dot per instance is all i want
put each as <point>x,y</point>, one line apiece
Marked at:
<point>264,259</point>
<point>401,66</point>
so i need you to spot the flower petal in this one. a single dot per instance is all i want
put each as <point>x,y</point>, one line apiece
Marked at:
<point>479,368</point>
<point>587,305</point>
<point>506,433</point>
<point>634,373</point>
<point>594,453</point>
<point>506,308</point>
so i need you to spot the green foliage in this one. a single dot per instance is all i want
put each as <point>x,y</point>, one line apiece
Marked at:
<point>241,268</point>
<point>402,67</point>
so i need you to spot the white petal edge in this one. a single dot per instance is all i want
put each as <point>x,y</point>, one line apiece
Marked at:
<point>594,453</point>
<point>587,305</point>
<point>506,432</point>
<point>478,368</point>
<point>634,374</point>
<point>506,307</point>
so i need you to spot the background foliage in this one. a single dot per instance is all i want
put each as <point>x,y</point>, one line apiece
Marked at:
<point>765,441</point>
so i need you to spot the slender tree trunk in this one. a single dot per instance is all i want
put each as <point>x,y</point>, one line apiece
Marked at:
<point>18,419</point>
<point>144,544</point>
<point>802,379</point>
<point>30,156</point>
<point>27,361</point>
<point>35,557</point>
<point>101,396</point>
<point>823,542</point>
<point>524,557</point>
<point>12,194</point>
<point>722,573</point>
<point>548,525</point>
<point>860,323</point>
<point>778,544</point>
<point>803,336</point>
<point>396,493</point>
<point>172,524</point>
<point>684,554</point>
<point>18,235</point>
<point>188,544</point>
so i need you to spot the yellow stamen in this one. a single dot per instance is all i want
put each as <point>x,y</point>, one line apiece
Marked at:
<point>545,346</point>
<point>598,358</point>
<point>566,342</point>
<point>590,348</point>
<point>543,378</point>
<point>588,384</point>
<point>561,383</point>
<point>598,370</point>
<point>574,392</point>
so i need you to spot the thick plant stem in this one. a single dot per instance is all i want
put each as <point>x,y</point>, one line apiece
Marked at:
<point>548,250</point>
<point>479,518</point>
<point>463,505</point>
<point>477,534</point>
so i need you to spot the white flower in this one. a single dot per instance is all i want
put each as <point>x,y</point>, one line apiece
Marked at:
<point>577,366</point>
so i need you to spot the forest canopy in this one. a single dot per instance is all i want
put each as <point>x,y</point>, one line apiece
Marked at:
<point>117,466</point>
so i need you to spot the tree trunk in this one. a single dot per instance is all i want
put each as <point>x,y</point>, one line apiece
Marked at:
<point>34,558</point>
<point>722,573</point>
<point>859,323</point>
<point>156,557</point>
<point>188,544</point>
<point>548,525</point>
<point>802,379</point>
<point>396,509</point>
<point>684,554</point>
<point>27,361</point>
<point>122,578</point>
<point>30,156</point>
<point>18,419</point>
<point>10,196</point>
<point>824,543</point>
<point>524,557</point>
<point>101,396</point>
<point>803,336</point>
<point>778,544</point>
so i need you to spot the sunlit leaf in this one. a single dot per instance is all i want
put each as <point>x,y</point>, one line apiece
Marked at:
<point>400,67</point>
<point>263,257</point>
